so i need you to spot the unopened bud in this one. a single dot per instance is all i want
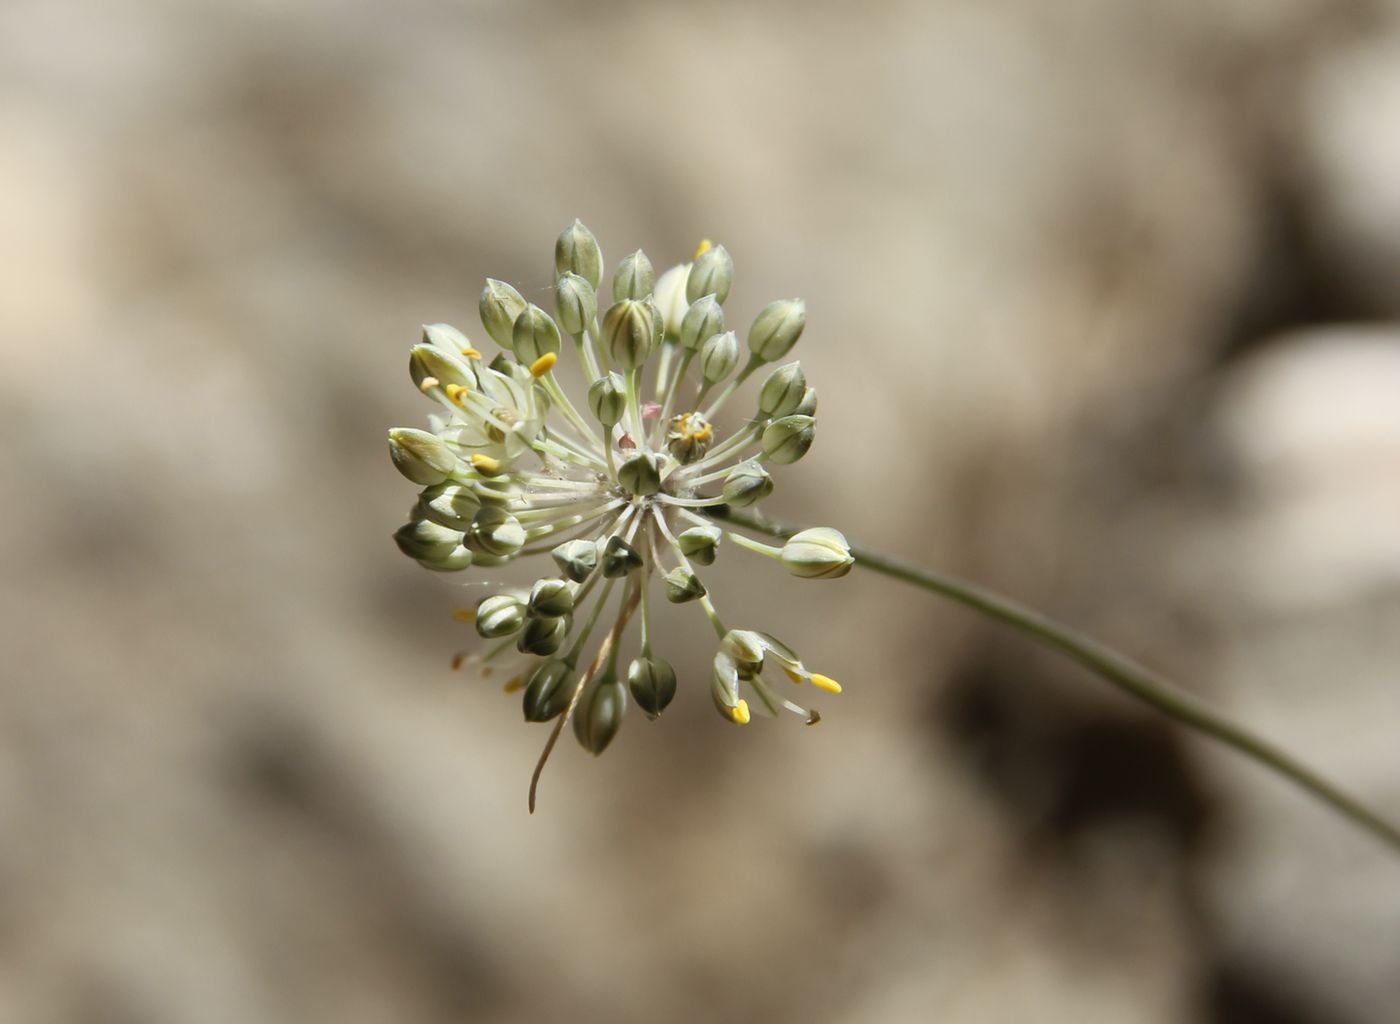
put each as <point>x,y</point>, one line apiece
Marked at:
<point>682,585</point>
<point>422,457</point>
<point>670,299</point>
<point>495,531</point>
<point>607,397</point>
<point>629,333</point>
<point>576,303</point>
<point>576,558</point>
<point>501,305</point>
<point>699,543</point>
<point>546,695</point>
<point>783,390</point>
<point>542,636</point>
<point>635,278</point>
<point>703,320</point>
<point>450,505</point>
<point>787,440</point>
<point>599,713</point>
<point>577,252</point>
<point>808,405</point>
<point>711,274</point>
<point>718,357</point>
<point>424,541</point>
<point>776,328</point>
<point>430,363</point>
<point>619,558</point>
<point>550,598</point>
<point>534,335</point>
<point>499,615</point>
<point>819,553</point>
<point>640,475</point>
<point>653,684</point>
<point>746,484</point>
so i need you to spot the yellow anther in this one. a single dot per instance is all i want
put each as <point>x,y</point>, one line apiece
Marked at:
<point>544,364</point>
<point>465,615</point>
<point>486,465</point>
<point>739,713</point>
<point>455,393</point>
<point>705,246</point>
<point>457,660</point>
<point>471,353</point>
<point>427,384</point>
<point>796,677</point>
<point>825,683</point>
<point>705,434</point>
<point>514,684</point>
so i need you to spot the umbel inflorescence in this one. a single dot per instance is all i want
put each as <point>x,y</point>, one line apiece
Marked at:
<point>619,497</point>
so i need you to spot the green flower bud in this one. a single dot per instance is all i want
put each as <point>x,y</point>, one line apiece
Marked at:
<point>546,695</point>
<point>607,397</point>
<point>450,505</point>
<point>746,484</point>
<point>808,405</point>
<point>534,335</point>
<point>619,558</point>
<point>430,361</point>
<point>576,302</point>
<point>501,305</point>
<point>446,338</point>
<point>499,615</point>
<point>550,599</point>
<point>699,543</point>
<point>703,320</point>
<point>787,440</point>
<point>711,274</point>
<point>455,560</point>
<point>599,713</point>
<point>577,252</point>
<point>718,357</point>
<point>422,457</point>
<point>495,531</point>
<point>576,558</point>
<point>776,328</point>
<point>745,647</point>
<point>682,585</point>
<point>424,541</point>
<point>640,475</point>
<point>669,297</point>
<point>819,553</point>
<point>653,684</point>
<point>542,636</point>
<point>629,333</point>
<point>783,390</point>
<point>635,279</point>
<point>724,688</point>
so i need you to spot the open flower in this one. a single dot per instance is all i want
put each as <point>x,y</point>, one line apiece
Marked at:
<point>623,492</point>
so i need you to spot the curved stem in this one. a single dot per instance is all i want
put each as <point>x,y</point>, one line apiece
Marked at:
<point>1137,681</point>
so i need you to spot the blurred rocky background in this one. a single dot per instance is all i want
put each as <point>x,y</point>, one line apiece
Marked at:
<point>1105,311</point>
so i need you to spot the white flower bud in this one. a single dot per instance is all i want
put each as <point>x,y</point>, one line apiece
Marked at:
<point>783,390</point>
<point>788,439</point>
<point>455,560</point>
<point>629,333</point>
<point>534,335</point>
<point>776,329</point>
<point>640,475</point>
<point>499,615</point>
<point>577,252</point>
<point>670,299</point>
<point>699,543</point>
<point>576,558</point>
<point>576,303</point>
<point>430,361</point>
<point>746,484</point>
<point>653,684</point>
<point>425,541</point>
<point>718,357</point>
<point>711,274</point>
<point>607,397</point>
<point>450,505</point>
<point>635,278</point>
<point>550,598</point>
<point>703,320</point>
<point>501,305</point>
<point>495,531</point>
<point>599,713</point>
<point>819,553</point>
<point>422,457</point>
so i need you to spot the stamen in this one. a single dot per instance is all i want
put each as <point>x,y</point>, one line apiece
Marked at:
<point>485,465</point>
<point>544,364</point>
<point>515,684</point>
<point>705,246</point>
<point>739,713</point>
<point>427,384</point>
<point>826,683</point>
<point>467,615</point>
<point>457,393</point>
<point>471,353</point>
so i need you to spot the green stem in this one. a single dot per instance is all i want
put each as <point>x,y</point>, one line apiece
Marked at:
<point>1127,675</point>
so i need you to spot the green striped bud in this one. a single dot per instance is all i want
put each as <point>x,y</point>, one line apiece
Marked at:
<point>607,397</point>
<point>576,558</point>
<point>534,335</point>
<point>819,553</point>
<point>542,636</point>
<point>787,440</point>
<point>635,278</point>
<point>711,274</point>
<point>619,558</point>
<point>746,484</point>
<point>550,599</point>
<point>422,457</point>
<point>450,505</point>
<point>776,329</point>
<point>640,475</point>
<point>653,684</point>
<point>682,585</point>
<point>629,333</point>
<point>425,541</point>
<point>782,392</point>
<point>501,305</point>
<point>599,713</point>
<point>576,303</point>
<point>700,543</point>
<point>499,615</point>
<point>703,320</point>
<point>495,531</point>
<point>546,692</point>
<point>577,252</point>
<point>718,357</point>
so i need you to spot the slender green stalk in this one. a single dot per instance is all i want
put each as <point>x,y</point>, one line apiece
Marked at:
<point>1127,675</point>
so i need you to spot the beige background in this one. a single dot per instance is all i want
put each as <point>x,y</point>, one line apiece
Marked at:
<point>1103,302</point>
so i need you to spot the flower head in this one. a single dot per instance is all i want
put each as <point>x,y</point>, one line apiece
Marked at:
<point>624,492</point>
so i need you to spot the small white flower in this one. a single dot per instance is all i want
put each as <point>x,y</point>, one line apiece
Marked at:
<point>618,489</point>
